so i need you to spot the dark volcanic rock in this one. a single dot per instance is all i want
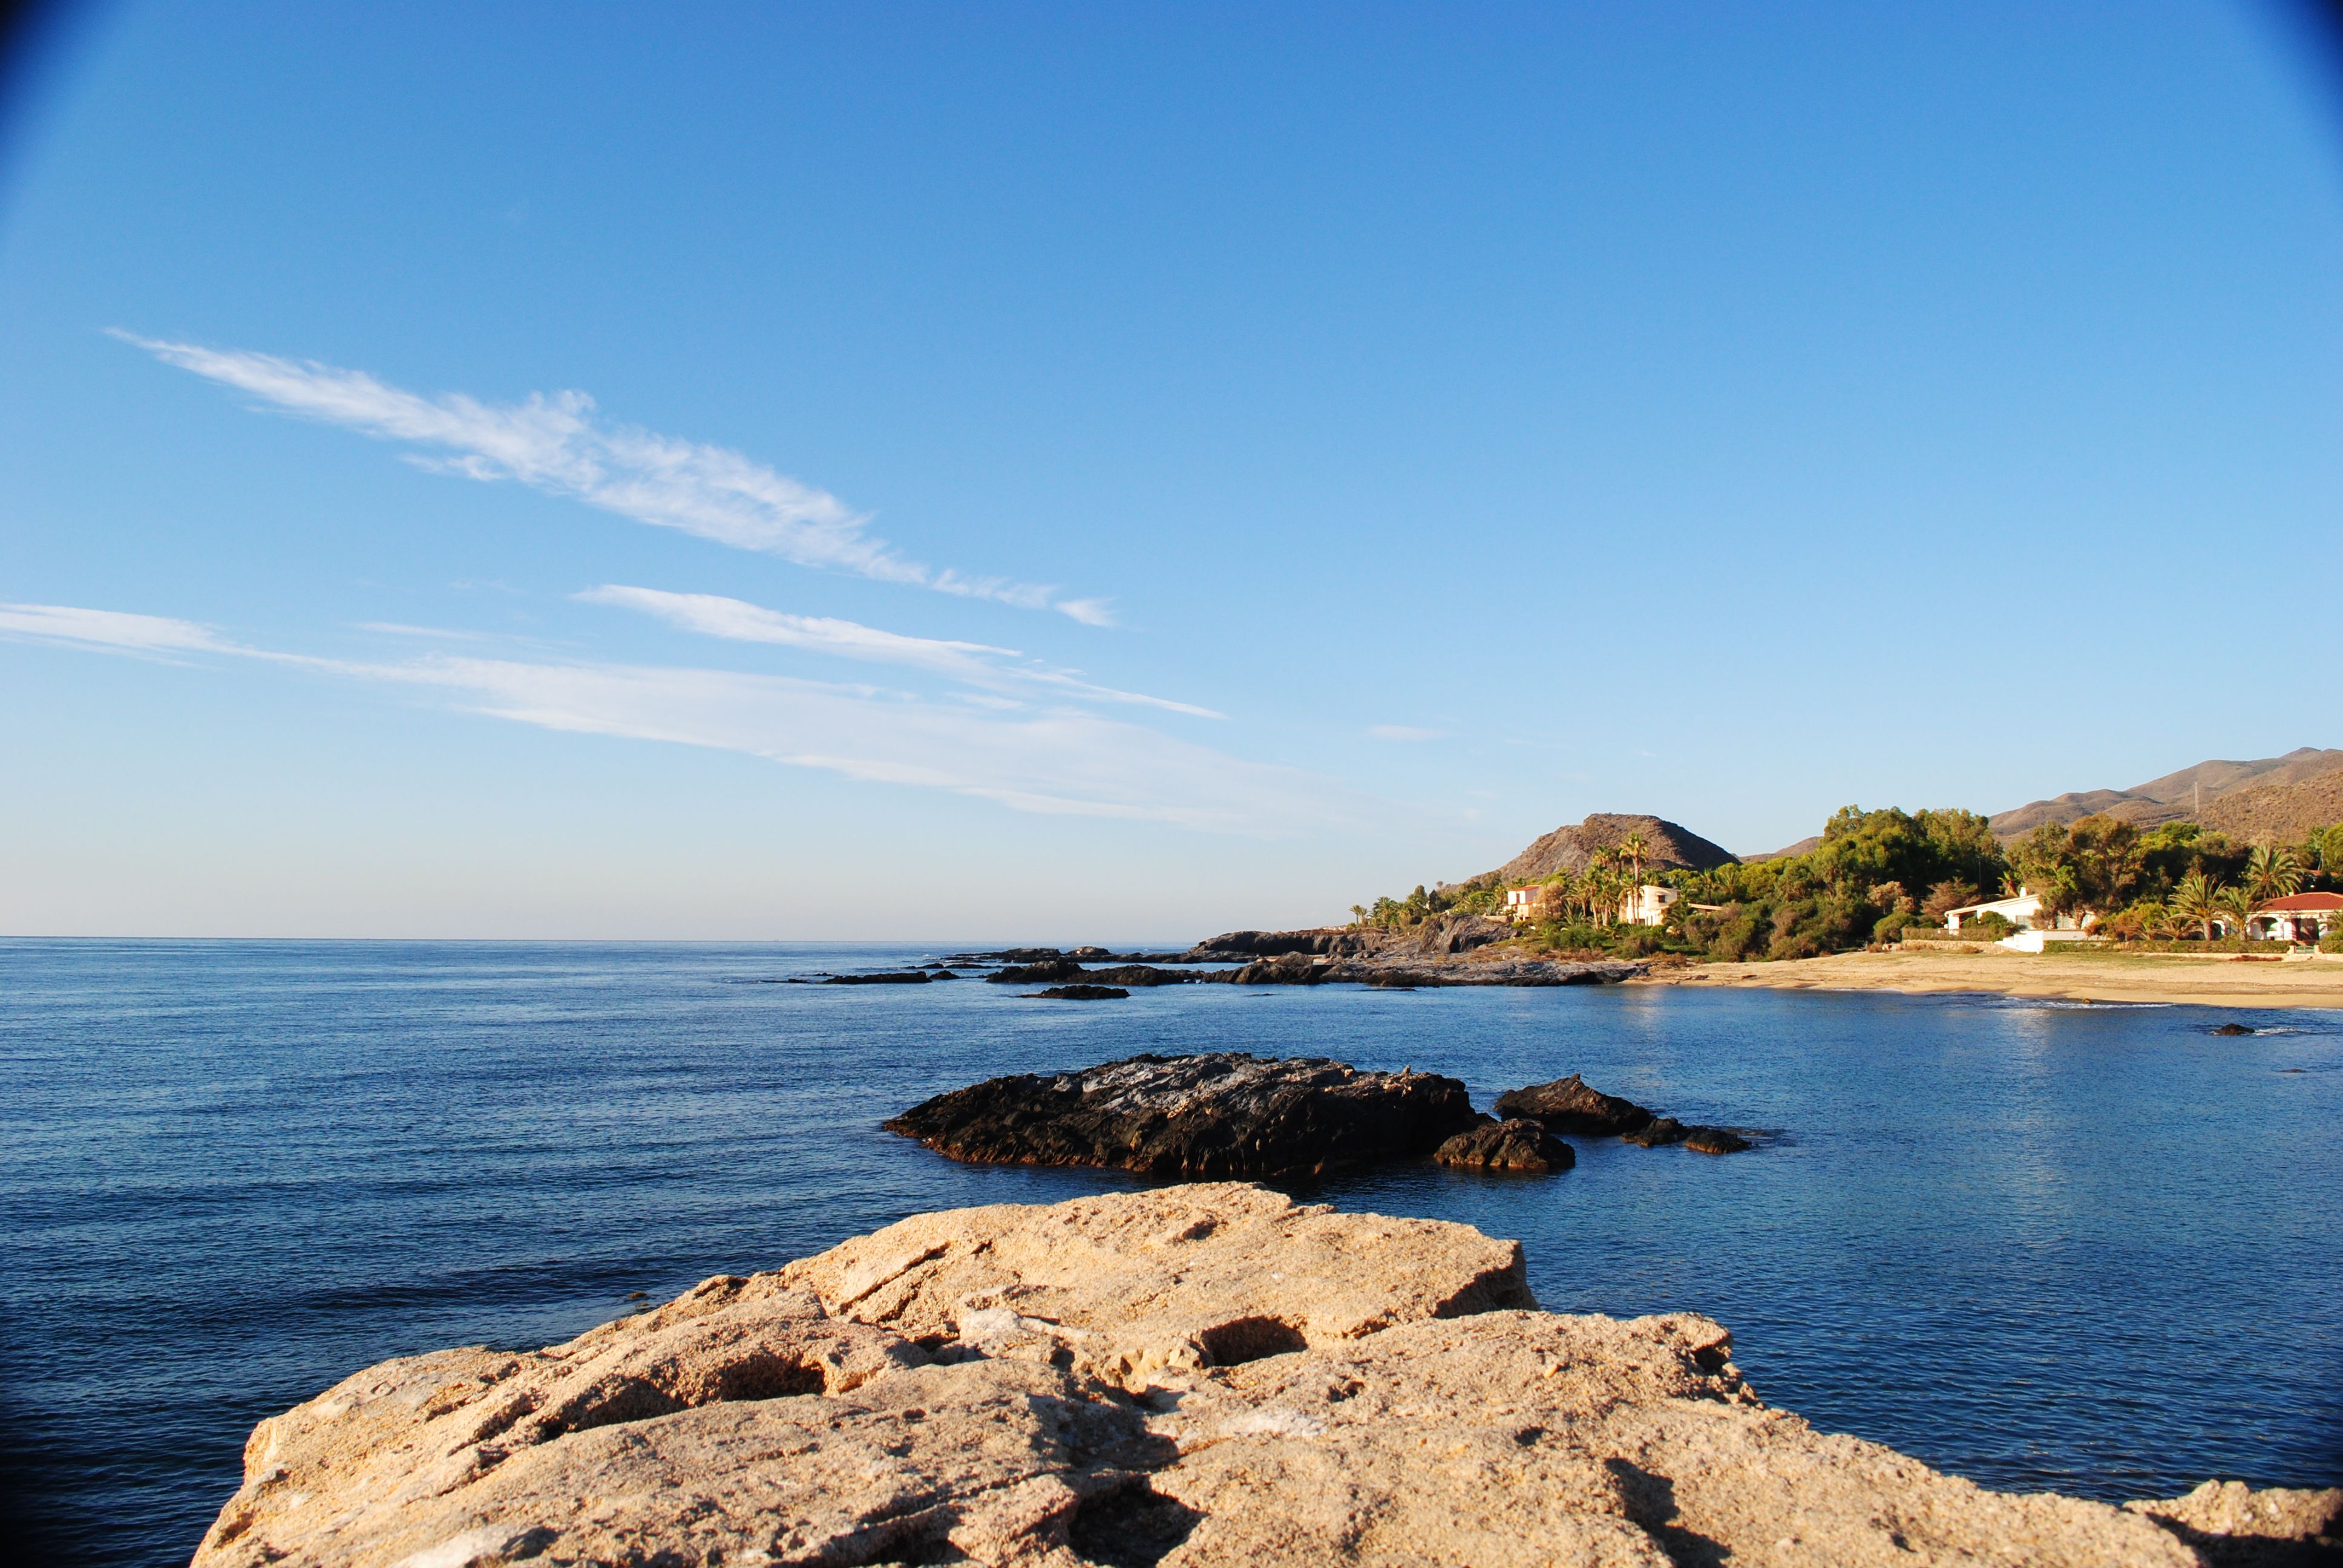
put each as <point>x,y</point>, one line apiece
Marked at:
<point>1324,940</point>
<point>1067,970</point>
<point>1142,974</point>
<point>1520,1144</point>
<point>1213,1116</point>
<point>1084,993</point>
<point>1706,1139</point>
<point>2233,1029</point>
<point>1038,973</point>
<point>1568,1105</point>
<point>907,977</point>
<point>1445,937</point>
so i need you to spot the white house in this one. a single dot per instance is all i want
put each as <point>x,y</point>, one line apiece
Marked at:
<point>2298,917</point>
<point>2021,910</point>
<point>1647,905</point>
<point>1525,903</point>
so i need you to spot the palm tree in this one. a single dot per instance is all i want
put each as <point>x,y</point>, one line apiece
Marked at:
<point>2238,905</point>
<point>2272,873</point>
<point>1596,880</point>
<point>2193,902</point>
<point>1635,848</point>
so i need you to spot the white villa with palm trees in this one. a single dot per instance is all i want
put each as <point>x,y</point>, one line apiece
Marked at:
<point>1643,904</point>
<point>1610,891</point>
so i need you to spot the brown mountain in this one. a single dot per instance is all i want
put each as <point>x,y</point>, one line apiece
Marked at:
<point>2281,813</point>
<point>2176,796</point>
<point>1666,847</point>
<point>1805,846</point>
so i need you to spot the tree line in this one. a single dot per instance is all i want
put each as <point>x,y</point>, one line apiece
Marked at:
<point>1876,873</point>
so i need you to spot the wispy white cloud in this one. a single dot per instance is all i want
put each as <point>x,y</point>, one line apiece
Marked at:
<point>1062,760</point>
<point>438,633</point>
<point>556,444</point>
<point>1088,611</point>
<point>973,663</point>
<point>110,628</point>
<point>1403,732</point>
<point>1059,762</point>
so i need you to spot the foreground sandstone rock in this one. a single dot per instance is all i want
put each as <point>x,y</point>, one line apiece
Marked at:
<point>1197,1375</point>
<point>1211,1115</point>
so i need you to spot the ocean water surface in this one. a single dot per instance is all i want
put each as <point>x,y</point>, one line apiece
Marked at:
<point>2039,1245</point>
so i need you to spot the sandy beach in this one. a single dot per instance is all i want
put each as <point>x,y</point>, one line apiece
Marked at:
<point>2143,977</point>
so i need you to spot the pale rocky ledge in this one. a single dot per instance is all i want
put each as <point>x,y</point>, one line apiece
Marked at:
<point>1199,1374</point>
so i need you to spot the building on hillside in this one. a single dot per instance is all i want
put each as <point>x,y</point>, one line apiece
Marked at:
<point>1647,905</point>
<point>2022,911</point>
<point>1526,904</point>
<point>2298,917</point>
<point>1643,905</point>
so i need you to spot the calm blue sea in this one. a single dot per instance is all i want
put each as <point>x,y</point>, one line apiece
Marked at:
<point>2040,1245</point>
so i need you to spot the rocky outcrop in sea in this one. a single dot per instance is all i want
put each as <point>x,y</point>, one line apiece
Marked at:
<point>1519,1144</point>
<point>1196,1377</point>
<point>1214,1115</point>
<point>1569,1105</point>
<point>1448,951</point>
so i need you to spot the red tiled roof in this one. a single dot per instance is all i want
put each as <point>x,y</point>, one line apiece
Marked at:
<point>2301,902</point>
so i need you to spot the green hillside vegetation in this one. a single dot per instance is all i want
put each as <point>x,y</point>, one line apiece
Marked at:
<point>1876,873</point>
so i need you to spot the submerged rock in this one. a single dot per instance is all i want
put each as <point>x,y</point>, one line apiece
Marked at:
<point>1520,1144</point>
<point>2233,1029</point>
<point>1083,993</point>
<point>1657,1132</point>
<point>1568,1105</point>
<point>1714,1141</point>
<point>1194,1377</point>
<point>905,977</point>
<point>1222,1114</point>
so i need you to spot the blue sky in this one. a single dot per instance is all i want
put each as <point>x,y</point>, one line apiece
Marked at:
<point>1049,472</point>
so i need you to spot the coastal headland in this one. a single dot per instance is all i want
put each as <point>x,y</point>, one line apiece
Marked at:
<point>1199,1374</point>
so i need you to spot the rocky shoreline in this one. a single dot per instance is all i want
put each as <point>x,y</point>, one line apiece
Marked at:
<point>1453,951</point>
<point>1197,1375</point>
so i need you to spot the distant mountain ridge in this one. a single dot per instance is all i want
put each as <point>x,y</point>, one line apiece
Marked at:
<point>1667,846</point>
<point>2175,797</point>
<point>2279,798</point>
